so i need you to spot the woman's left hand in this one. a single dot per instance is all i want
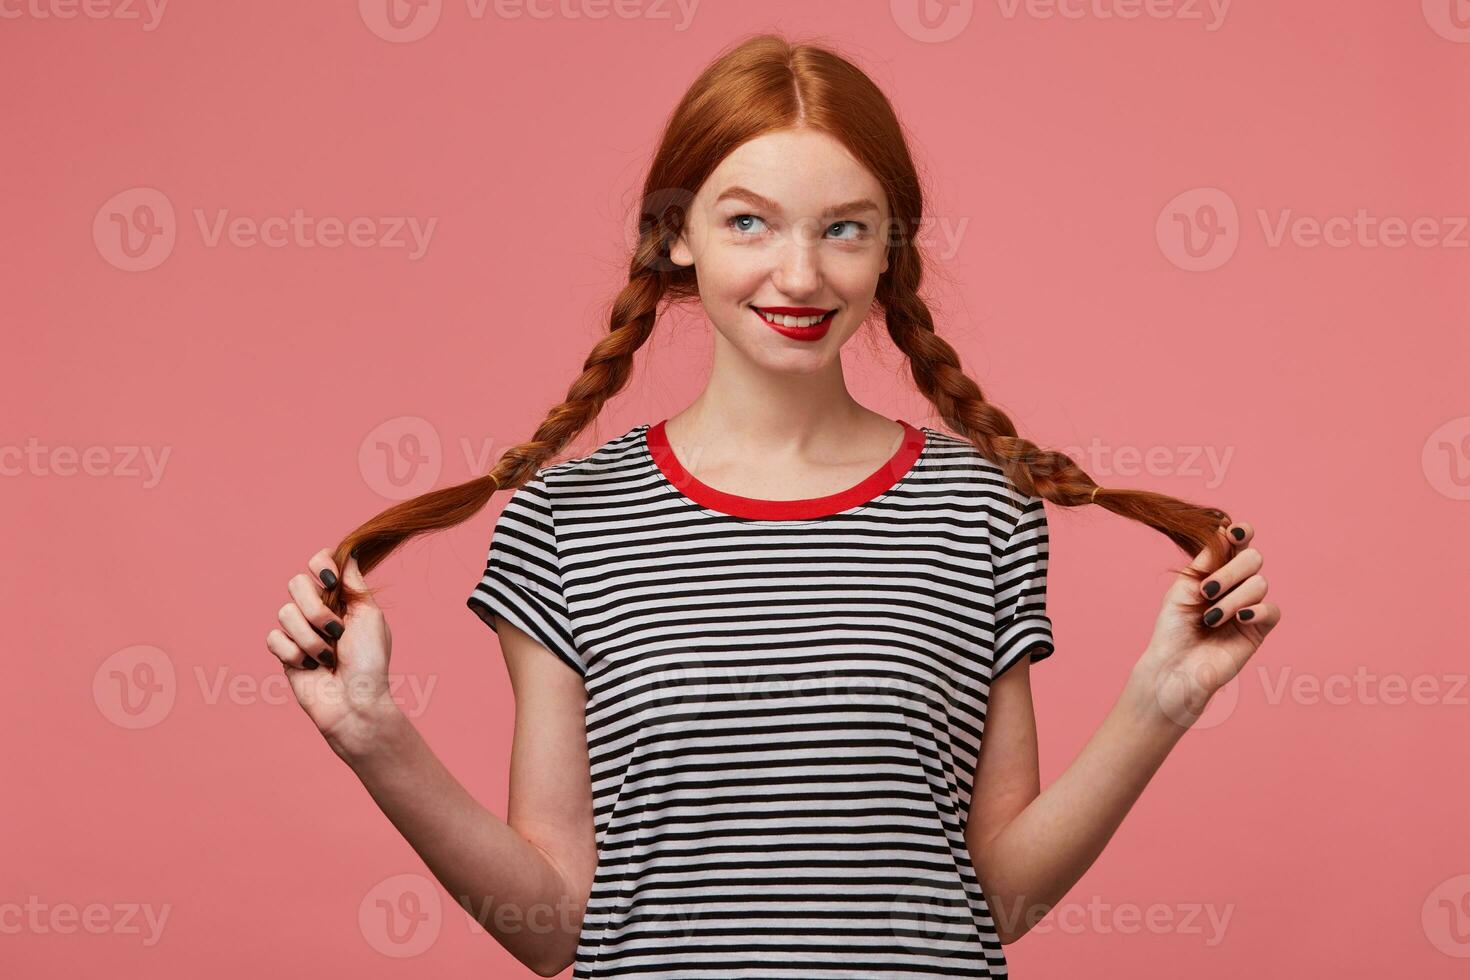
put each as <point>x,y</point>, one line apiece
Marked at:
<point>1196,649</point>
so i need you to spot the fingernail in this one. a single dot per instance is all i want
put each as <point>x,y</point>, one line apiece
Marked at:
<point>327,659</point>
<point>1213,616</point>
<point>309,663</point>
<point>1238,533</point>
<point>333,629</point>
<point>1211,588</point>
<point>328,579</point>
<point>1245,614</point>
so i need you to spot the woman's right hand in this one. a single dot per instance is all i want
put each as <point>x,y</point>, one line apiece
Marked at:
<point>338,669</point>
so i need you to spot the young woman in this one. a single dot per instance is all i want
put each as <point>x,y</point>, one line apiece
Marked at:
<point>755,645</point>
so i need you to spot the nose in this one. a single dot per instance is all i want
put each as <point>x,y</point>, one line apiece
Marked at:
<point>798,268</point>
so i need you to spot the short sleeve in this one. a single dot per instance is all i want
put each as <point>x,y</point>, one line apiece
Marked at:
<point>522,579</point>
<point>1021,622</point>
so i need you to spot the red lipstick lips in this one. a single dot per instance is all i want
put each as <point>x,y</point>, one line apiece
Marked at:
<point>814,332</point>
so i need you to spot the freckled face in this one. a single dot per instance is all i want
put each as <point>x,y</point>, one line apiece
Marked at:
<point>789,225</point>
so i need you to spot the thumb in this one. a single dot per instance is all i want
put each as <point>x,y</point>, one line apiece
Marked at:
<point>352,575</point>
<point>1206,562</point>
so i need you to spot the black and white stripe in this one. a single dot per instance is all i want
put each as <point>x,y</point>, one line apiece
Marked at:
<point>783,716</point>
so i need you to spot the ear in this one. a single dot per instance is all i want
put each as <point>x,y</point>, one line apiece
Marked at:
<point>679,252</point>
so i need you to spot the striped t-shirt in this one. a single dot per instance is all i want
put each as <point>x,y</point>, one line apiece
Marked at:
<point>785,701</point>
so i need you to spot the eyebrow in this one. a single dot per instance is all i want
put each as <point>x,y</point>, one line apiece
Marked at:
<point>751,197</point>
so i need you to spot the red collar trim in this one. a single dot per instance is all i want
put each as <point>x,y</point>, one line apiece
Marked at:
<point>735,505</point>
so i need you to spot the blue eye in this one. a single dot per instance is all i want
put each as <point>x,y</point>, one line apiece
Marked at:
<point>740,217</point>
<point>737,224</point>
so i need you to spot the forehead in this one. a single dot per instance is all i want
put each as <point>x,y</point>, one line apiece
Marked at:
<point>802,170</point>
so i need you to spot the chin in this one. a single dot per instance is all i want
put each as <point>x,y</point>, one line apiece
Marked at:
<point>793,362</point>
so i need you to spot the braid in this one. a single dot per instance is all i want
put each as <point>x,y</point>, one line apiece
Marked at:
<point>604,373</point>
<point>1044,473</point>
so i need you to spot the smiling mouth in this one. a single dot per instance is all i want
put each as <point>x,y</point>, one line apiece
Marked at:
<point>797,317</point>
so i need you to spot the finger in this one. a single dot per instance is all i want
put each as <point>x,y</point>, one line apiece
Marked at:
<point>1232,573</point>
<point>1251,591</point>
<point>1263,616</point>
<point>308,597</point>
<point>287,652</point>
<point>1240,534</point>
<point>323,568</point>
<point>300,631</point>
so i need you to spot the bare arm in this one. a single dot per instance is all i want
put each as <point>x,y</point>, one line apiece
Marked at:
<point>1029,847</point>
<point>524,879</point>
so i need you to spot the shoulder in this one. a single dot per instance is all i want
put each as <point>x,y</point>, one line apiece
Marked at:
<point>567,477</point>
<point>952,458</point>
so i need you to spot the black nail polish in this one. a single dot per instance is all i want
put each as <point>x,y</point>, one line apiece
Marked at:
<point>332,629</point>
<point>309,663</point>
<point>327,658</point>
<point>1239,533</point>
<point>1212,617</point>
<point>1246,613</point>
<point>328,579</point>
<point>1211,588</point>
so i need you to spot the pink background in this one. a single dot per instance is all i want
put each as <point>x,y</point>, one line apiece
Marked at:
<point>1321,824</point>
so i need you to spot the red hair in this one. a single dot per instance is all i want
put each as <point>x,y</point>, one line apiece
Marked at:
<point>760,85</point>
